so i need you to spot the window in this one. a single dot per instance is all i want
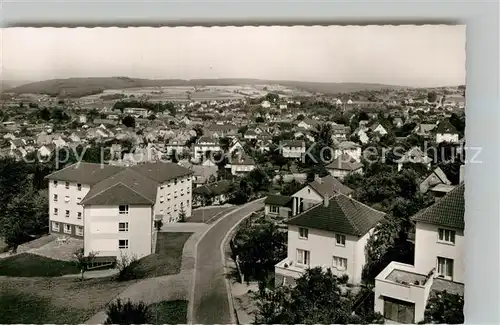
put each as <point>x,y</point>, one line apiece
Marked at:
<point>123,209</point>
<point>188,190</point>
<point>182,192</point>
<point>303,257</point>
<point>187,202</point>
<point>78,199</point>
<point>66,185</point>
<point>79,231</point>
<point>274,209</point>
<point>162,199</point>
<point>79,186</point>
<point>67,229</point>
<point>55,197</point>
<point>175,181</point>
<point>123,226</point>
<point>303,233</point>
<point>67,213</point>
<point>445,268</point>
<point>55,226</point>
<point>123,244</point>
<point>340,263</point>
<point>175,194</point>
<point>161,187</point>
<point>56,211</point>
<point>182,181</point>
<point>79,215</point>
<point>340,239</point>
<point>66,199</point>
<point>446,236</point>
<point>55,183</point>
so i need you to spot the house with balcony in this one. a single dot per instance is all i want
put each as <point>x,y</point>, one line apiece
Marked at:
<point>344,165</point>
<point>113,208</point>
<point>315,192</point>
<point>293,148</point>
<point>402,290</point>
<point>446,132</point>
<point>205,145</point>
<point>331,235</point>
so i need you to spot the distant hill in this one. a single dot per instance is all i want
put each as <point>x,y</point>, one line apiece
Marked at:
<point>79,87</point>
<point>7,84</point>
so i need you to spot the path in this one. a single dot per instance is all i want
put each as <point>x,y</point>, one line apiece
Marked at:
<point>210,301</point>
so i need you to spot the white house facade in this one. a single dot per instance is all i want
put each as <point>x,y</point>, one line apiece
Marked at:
<point>402,290</point>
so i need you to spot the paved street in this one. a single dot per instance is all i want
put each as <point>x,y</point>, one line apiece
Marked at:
<point>210,303</point>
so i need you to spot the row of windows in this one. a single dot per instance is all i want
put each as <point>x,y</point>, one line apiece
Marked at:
<point>67,228</point>
<point>67,199</point>
<point>339,238</point>
<point>175,183</point>
<point>66,185</point>
<point>162,198</point>
<point>175,207</point>
<point>67,213</point>
<point>304,258</point>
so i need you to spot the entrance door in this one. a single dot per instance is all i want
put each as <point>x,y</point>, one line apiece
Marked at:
<point>399,311</point>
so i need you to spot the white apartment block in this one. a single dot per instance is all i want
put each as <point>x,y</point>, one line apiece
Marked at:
<point>204,145</point>
<point>402,290</point>
<point>293,148</point>
<point>114,208</point>
<point>332,234</point>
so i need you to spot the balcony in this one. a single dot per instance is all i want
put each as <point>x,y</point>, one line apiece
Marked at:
<point>402,282</point>
<point>289,268</point>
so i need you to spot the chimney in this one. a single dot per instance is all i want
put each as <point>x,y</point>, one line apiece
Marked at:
<point>462,174</point>
<point>317,178</point>
<point>326,200</point>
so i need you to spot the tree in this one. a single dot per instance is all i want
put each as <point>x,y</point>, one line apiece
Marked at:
<point>83,261</point>
<point>128,313</point>
<point>158,224</point>
<point>44,114</point>
<point>25,217</point>
<point>444,308</point>
<point>259,119</point>
<point>129,121</point>
<point>182,214</point>
<point>291,188</point>
<point>258,247</point>
<point>431,96</point>
<point>152,117</point>
<point>300,117</point>
<point>317,298</point>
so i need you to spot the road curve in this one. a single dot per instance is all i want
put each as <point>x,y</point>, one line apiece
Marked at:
<point>210,298</point>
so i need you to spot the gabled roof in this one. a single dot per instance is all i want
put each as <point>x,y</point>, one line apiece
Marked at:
<point>125,187</point>
<point>213,189</point>
<point>329,185</point>
<point>278,200</point>
<point>343,215</point>
<point>445,127</point>
<point>85,173</point>
<point>447,212</point>
<point>345,162</point>
<point>244,160</point>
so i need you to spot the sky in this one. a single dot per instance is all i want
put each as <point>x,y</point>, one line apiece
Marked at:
<point>424,56</point>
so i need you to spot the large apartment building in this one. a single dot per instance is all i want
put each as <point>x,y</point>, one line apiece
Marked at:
<point>402,290</point>
<point>114,208</point>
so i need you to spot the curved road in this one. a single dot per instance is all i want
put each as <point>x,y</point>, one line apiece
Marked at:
<point>210,300</point>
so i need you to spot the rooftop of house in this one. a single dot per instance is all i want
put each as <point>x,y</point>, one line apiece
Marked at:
<point>445,127</point>
<point>329,185</point>
<point>447,212</point>
<point>341,214</point>
<point>345,162</point>
<point>278,200</point>
<point>214,189</point>
<point>84,173</point>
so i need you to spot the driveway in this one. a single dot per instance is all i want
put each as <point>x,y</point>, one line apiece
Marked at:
<point>210,301</point>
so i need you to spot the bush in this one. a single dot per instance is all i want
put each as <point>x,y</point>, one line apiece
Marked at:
<point>128,313</point>
<point>129,268</point>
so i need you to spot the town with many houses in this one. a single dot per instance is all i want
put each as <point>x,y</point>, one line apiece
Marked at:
<point>277,207</point>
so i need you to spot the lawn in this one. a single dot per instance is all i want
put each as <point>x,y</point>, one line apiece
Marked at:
<point>31,265</point>
<point>169,312</point>
<point>168,257</point>
<point>54,301</point>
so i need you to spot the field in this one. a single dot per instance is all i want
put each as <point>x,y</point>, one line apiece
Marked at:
<point>80,87</point>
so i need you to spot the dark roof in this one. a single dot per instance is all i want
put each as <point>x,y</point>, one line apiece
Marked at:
<point>329,185</point>
<point>279,200</point>
<point>446,127</point>
<point>244,160</point>
<point>85,173</point>
<point>214,189</point>
<point>343,215</point>
<point>126,187</point>
<point>345,162</point>
<point>162,171</point>
<point>447,212</point>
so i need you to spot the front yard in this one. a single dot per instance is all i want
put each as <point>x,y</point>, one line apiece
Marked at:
<point>49,300</point>
<point>168,257</point>
<point>31,265</point>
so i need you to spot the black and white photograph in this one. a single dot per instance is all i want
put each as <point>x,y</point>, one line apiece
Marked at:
<point>233,175</point>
